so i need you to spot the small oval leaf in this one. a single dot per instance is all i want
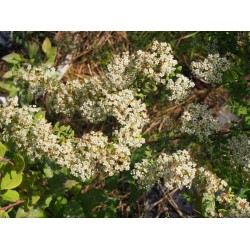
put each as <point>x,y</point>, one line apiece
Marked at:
<point>11,180</point>
<point>46,45</point>
<point>13,58</point>
<point>11,195</point>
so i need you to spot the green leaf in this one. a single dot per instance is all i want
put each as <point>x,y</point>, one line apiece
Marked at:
<point>48,171</point>
<point>33,48</point>
<point>35,199</point>
<point>11,195</point>
<point>179,69</point>
<point>8,74</point>
<point>242,194</point>
<point>242,111</point>
<point>3,214</point>
<point>40,115</point>
<point>208,206</point>
<point>155,88</point>
<point>11,180</point>
<point>234,75</point>
<point>148,153</point>
<point>3,149</point>
<point>47,201</point>
<point>13,58</point>
<point>19,163</point>
<point>73,210</point>
<point>51,55</point>
<point>46,45</point>
<point>70,183</point>
<point>31,213</point>
<point>8,87</point>
<point>56,184</point>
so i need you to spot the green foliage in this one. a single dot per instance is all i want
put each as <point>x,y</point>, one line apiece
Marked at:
<point>11,180</point>
<point>12,58</point>
<point>208,206</point>
<point>10,195</point>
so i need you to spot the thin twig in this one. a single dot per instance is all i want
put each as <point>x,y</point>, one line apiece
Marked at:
<point>12,205</point>
<point>6,160</point>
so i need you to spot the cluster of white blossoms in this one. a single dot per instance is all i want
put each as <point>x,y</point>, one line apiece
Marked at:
<point>197,120</point>
<point>155,64</point>
<point>33,136</point>
<point>234,206</point>
<point>84,98</point>
<point>180,88</point>
<point>212,68</point>
<point>38,79</point>
<point>93,153</point>
<point>34,139</point>
<point>176,170</point>
<point>239,147</point>
<point>131,115</point>
<point>209,185</point>
<point>124,72</point>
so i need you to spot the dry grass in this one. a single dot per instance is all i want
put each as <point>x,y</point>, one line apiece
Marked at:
<point>84,47</point>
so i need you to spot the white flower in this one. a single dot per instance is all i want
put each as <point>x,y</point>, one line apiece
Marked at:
<point>197,120</point>
<point>211,69</point>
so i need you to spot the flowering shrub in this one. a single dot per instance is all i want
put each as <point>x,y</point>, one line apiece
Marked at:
<point>73,148</point>
<point>211,69</point>
<point>177,170</point>
<point>197,120</point>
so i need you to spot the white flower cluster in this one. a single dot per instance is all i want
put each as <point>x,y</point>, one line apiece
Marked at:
<point>239,147</point>
<point>87,99</point>
<point>197,120</point>
<point>146,173</point>
<point>38,79</point>
<point>180,88</point>
<point>33,136</point>
<point>239,209</point>
<point>208,185</point>
<point>177,170</point>
<point>130,113</point>
<point>236,207</point>
<point>157,63</point>
<point>212,68</point>
<point>93,153</point>
<point>34,139</point>
<point>75,97</point>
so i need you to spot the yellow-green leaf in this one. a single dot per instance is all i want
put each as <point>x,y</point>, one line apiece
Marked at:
<point>3,149</point>
<point>8,74</point>
<point>31,213</point>
<point>35,199</point>
<point>46,45</point>
<point>12,58</point>
<point>3,214</point>
<point>11,195</point>
<point>11,180</point>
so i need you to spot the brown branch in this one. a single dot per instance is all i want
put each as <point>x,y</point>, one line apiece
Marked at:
<point>12,205</point>
<point>167,197</point>
<point>6,160</point>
